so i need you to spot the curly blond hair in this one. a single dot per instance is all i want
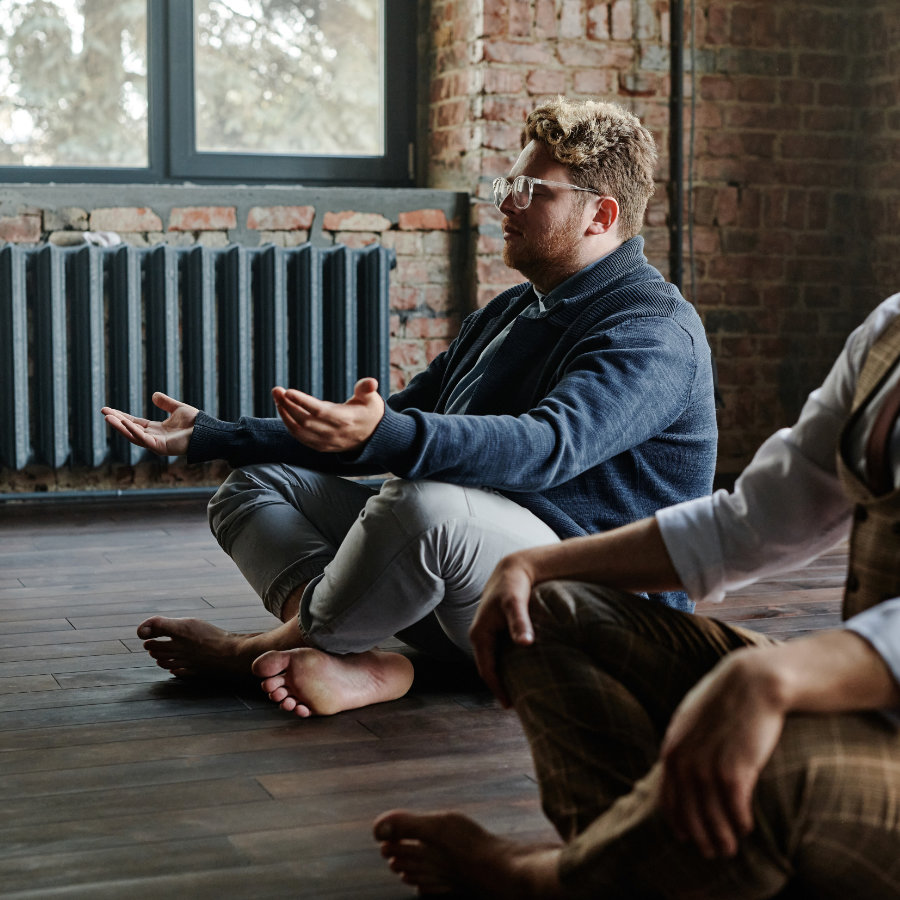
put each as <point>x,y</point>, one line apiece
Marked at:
<point>605,147</point>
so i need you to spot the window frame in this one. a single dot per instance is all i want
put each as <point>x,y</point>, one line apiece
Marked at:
<point>171,141</point>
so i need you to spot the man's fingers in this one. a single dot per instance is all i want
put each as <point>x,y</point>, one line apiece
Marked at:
<point>519,623</point>
<point>485,646</point>
<point>487,668</point>
<point>738,801</point>
<point>165,402</point>
<point>364,387</point>
<point>697,809</point>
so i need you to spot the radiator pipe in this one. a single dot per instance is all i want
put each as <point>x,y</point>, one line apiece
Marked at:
<point>144,494</point>
<point>676,145</point>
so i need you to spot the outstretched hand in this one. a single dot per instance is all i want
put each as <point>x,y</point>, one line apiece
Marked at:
<point>718,741</point>
<point>167,438</point>
<point>502,613</point>
<point>331,427</point>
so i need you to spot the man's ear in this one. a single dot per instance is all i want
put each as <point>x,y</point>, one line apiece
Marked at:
<point>605,217</point>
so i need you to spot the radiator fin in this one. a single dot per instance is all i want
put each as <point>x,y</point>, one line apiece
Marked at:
<point>217,327</point>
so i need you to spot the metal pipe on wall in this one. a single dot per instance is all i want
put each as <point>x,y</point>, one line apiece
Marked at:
<point>676,145</point>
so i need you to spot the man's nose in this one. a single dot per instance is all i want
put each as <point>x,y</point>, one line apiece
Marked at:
<point>507,207</point>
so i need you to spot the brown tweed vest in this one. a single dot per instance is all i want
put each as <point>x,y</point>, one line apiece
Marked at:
<point>874,571</point>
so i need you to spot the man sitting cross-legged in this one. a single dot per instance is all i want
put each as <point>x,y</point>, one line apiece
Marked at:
<point>570,404</point>
<point>680,757</point>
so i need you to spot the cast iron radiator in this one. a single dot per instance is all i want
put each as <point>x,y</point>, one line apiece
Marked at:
<point>86,327</point>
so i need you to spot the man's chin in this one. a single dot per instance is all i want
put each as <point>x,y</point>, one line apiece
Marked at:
<point>514,260</point>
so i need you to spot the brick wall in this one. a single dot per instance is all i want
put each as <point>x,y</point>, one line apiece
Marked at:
<point>796,176</point>
<point>425,297</point>
<point>794,205</point>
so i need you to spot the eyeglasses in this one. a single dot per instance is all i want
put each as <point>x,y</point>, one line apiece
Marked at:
<point>522,187</point>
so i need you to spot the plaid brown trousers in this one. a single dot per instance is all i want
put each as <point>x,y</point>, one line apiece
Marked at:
<point>595,693</point>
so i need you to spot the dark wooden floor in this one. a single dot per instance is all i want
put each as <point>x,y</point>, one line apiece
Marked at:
<point>118,781</point>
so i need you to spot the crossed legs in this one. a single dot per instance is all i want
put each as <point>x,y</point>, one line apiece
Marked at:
<point>358,567</point>
<point>594,694</point>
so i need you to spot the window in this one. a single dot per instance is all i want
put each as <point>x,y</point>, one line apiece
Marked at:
<point>207,90</point>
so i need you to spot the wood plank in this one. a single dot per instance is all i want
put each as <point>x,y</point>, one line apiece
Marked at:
<point>119,780</point>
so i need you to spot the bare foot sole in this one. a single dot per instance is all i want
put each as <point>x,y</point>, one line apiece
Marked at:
<point>189,647</point>
<point>308,682</point>
<point>447,851</point>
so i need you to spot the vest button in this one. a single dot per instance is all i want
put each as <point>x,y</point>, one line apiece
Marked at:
<point>852,582</point>
<point>860,513</point>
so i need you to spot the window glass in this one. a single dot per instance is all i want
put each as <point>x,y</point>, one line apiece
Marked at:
<point>287,77</point>
<point>73,83</point>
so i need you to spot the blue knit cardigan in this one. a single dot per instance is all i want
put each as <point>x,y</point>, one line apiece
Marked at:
<point>592,416</point>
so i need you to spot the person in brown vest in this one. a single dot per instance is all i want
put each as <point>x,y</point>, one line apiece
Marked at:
<point>681,757</point>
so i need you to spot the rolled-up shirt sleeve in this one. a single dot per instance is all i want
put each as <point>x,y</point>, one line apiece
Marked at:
<point>880,626</point>
<point>788,506</point>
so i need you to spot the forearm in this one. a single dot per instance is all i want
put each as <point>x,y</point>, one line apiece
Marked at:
<point>630,558</point>
<point>829,672</point>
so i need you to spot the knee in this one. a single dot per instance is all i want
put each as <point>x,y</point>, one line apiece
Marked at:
<point>233,495</point>
<point>561,608</point>
<point>418,505</point>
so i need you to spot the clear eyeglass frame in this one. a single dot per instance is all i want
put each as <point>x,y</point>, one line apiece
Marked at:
<point>522,189</point>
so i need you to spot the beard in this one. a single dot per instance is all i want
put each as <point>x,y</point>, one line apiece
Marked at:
<point>548,258</point>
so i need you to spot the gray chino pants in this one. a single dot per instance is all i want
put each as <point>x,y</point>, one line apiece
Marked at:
<point>400,561</point>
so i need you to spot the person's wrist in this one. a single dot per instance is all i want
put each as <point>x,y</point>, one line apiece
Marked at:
<point>766,678</point>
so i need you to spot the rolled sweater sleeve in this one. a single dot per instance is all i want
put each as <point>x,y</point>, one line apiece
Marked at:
<point>618,389</point>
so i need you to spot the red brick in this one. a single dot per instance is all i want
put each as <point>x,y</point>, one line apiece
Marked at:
<point>280,218</point>
<point>545,81</point>
<point>835,94</point>
<point>641,84</point>
<point>520,19</point>
<point>823,65</point>
<point>438,297</point>
<point>545,19</point>
<point>509,52</point>
<point>408,355</point>
<point>24,229</point>
<point>507,109</point>
<point>202,218</point>
<point>454,112</point>
<point>501,137</point>
<point>349,220</point>
<point>598,20</point>
<point>405,296</point>
<point>796,91</point>
<point>609,56</point>
<point>423,220</point>
<point>718,25</point>
<point>571,19</point>
<point>503,81</point>
<point>489,243</point>
<point>598,82</point>
<point>437,243</point>
<point>125,219</point>
<point>432,327</point>
<point>717,87</point>
<point>758,90</point>
<point>433,349</point>
<point>407,243</point>
<point>496,17</point>
<point>411,270</point>
<point>622,28</point>
<point>399,379</point>
<point>356,239</point>
<point>494,271</point>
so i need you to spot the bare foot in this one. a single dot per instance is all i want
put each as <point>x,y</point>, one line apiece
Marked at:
<point>447,851</point>
<point>311,682</point>
<point>194,647</point>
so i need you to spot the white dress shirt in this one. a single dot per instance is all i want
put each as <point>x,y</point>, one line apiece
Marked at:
<point>788,505</point>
